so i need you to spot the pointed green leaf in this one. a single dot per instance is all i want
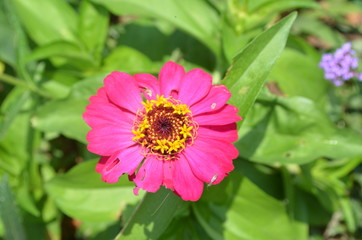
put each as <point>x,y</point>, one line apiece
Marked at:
<point>152,216</point>
<point>251,67</point>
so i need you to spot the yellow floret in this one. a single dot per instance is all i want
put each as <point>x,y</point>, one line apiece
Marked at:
<point>138,134</point>
<point>148,106</point>
<point>186,131</point>
<point>176,145</point>
<point>162,145</point>
<point>181,109</point>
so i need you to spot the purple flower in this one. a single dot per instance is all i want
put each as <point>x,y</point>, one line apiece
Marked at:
<point>341,65</point>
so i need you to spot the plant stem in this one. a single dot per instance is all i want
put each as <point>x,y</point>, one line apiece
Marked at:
<point>16,82</point>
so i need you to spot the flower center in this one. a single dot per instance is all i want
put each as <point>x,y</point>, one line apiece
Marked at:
<point>164,127</point>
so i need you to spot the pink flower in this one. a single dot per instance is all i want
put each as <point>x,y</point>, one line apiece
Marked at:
<point>176,131</point>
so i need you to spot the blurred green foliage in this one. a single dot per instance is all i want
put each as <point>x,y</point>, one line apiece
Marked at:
<point>299,173</point>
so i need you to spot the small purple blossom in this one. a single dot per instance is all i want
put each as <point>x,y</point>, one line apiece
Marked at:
<point>341,65</point>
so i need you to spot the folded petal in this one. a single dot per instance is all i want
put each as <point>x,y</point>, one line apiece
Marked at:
<point>223,116</point>
<point>194,86</point>
<point>170,78</point>
<point>101,163</point>
<point>123,91</point>
<point>124,161</point>
<point>149,85</point>
<point>186,184</point>
<point>214,100</point>
<point>149,177</point>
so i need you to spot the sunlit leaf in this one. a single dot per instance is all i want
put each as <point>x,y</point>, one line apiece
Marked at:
<point>81,194</point>
<point>247,74</point>
<point>193,16</point>
<point>152,216</point>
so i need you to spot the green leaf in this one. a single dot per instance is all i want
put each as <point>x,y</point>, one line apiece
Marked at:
<point>126,59</point>
<point>299,75</point>
<point>9,213</point>
<point>241,210</point>
<point>81,194</point>
<point>63,49</point>
<point>48,20</point>
<point>280,5</point>
<point>93,26</point>
<point>68,119</point>
<point>185,228</point>
<point>7,35</point>
<point>193,16</point>
<point>251,67</point>
<point>15,134</point>
<point>11,110</point>
<point>294,130</point>
<point>152,216</point>
<point>310,25</point>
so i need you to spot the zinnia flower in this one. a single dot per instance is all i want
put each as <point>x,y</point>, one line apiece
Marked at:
<point>176,131</point>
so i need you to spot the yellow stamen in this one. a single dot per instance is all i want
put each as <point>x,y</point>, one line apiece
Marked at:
<point>176,145</point>
<point>138,134</point>
<point>186,131</point>
<point>162,145</point>
<point>181,109</point>
<point>148,105</point>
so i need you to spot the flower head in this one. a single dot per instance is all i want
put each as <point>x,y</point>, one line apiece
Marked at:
<point>176,131</point>
<point>341,65</point>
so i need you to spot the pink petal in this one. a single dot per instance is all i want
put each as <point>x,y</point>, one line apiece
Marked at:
<point>149,85</point>
<point>224,116</point>
<point>210,160</point>
<point>101,113</point>
<point>101,163</point>
<point>170,78</point>
<point>100,97</point>
<point>168,172</point>
<point>220,147</point>
<point>215,99</point>
<point>150,175</point>
<point>125,161</point>
<point>122,90</point>
<point>107,139</point>
<point>194,86</point>
<point>226,133</point>
<point>186,184</point>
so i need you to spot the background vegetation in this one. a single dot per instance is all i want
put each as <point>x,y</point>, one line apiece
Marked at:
<point>299,173</point>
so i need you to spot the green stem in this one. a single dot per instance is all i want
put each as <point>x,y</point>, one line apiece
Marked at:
<point>16,82</point>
